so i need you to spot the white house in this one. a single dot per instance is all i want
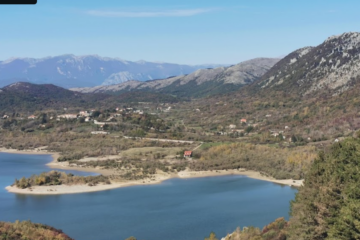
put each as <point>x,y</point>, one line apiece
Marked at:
<point>67,116</point>
<point>232,126</point>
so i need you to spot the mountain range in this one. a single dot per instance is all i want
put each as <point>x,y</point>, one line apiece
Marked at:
<point>329,69</point>
<point>87,71</point>
<point>202,82</point>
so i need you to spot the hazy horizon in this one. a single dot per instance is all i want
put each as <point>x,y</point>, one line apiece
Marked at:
<point>183,32</point>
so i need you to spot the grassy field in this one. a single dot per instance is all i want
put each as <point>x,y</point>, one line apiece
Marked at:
<point>169,152</point>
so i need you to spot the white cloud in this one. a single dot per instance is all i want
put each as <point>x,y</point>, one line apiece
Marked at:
<point>145,14</point>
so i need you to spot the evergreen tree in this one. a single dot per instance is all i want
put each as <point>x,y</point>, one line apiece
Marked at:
<point>328,205</point>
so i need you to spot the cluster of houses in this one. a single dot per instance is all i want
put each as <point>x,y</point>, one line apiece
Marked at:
<point>87,115</point>
<point>233,127</point>
<point>129,110</point>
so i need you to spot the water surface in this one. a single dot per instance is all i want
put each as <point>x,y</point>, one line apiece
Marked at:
<point>177,209</point>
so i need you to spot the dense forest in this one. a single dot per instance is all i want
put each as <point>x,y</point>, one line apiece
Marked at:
<point>327,206</point>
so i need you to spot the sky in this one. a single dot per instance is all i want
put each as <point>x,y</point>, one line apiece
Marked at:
<point>186,32</point>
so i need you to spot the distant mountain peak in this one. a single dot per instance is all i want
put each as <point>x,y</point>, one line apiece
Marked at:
<point>347,36</point>
<point>333,65</point>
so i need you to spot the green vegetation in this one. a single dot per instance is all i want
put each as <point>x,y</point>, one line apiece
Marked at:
<point>274,231</point>
<point>328,205</point>
<point>212,236</point>
<point>135,168</point>
<point>281,163</point>
<point>27,230</point>
<point>59,178</point>
<point>131,238</point>
<point>152,152</point>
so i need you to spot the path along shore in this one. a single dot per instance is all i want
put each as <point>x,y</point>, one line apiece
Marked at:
<point>157,178</point>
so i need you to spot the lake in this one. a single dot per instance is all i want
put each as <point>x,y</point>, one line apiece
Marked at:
<point>176,209</point>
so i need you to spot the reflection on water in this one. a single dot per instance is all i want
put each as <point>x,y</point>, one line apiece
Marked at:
<point>177,209</point>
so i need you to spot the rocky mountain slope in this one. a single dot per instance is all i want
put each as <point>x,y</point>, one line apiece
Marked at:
<point>86,71</point>
<point>199,83</point>
<point>333,65</point>
<point>313,91</point>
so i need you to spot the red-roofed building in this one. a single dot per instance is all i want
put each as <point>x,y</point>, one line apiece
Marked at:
<point>187,153</point>
<point>243,120</point>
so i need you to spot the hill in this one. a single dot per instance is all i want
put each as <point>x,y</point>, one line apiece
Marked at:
<point>203,82</point>
<point>29,230</point>
<point>326,206</point>
<point>86,71</point>
<point>315,105</point>
<point>334,65</point>
<point>29,97</point>
<point>23,96</point>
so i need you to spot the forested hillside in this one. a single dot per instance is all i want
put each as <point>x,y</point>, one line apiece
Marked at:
<point>327,206</point>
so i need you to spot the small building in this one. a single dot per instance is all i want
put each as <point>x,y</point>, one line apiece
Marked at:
<point>84,113</point>
<point>5,117</point>
<point>139,112</point>
<point>187,154</point>
<point>32,117</point>
<point>243,120</point>
<point>67,116</point>
<point>232,126</point>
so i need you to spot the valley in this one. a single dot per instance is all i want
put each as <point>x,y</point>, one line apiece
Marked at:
<point>268,119</point>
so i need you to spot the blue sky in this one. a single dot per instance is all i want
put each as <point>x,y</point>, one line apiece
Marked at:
<point>187,31</point>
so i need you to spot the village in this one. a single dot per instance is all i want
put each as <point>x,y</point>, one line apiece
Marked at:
<point>102,119</point>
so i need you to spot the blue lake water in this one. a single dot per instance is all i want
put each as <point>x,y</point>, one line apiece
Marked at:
<point>177,209</point>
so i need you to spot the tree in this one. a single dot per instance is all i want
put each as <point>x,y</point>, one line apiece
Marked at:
<point>328,206</point>
<point>211,237</point>
<point>249,129</point>
<point>131,238</point>
<point>95,114</point>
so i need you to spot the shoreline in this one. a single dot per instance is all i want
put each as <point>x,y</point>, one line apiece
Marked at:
<point>157,178</point>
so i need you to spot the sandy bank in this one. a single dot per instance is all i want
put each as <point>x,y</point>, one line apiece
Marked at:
<point>66,189</point>
<point>248,173</point>
<point>157,178</point>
